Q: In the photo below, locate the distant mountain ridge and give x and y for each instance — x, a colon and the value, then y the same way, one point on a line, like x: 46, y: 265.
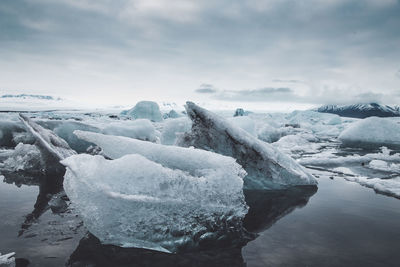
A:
x: 361, y: 110
x: 29, y: 96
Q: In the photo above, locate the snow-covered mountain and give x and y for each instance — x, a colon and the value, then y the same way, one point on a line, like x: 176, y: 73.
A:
x: 29, y: 96
x: 361, y: 110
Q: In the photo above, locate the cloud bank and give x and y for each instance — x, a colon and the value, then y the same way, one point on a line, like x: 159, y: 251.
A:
x: 127, y: 50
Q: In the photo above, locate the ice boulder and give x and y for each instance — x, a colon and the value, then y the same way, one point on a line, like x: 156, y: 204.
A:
x: 141, y: 129
x: 245, y: 123
x: 145, y: 110
x: 157, y: 197
x: 173, y: 128
x: 238, y: 112
x: 267, y: 167
x: 372, y: 132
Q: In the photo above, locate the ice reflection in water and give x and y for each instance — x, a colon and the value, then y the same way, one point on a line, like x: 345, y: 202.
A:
x: 266, y: 207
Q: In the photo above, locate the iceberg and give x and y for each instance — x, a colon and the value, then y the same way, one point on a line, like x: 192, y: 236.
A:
x: 141, y: 129
x: 267, y: 167
x: 372, y: 132
x: 329, y: 159
x: 172, y: 114
x: 390, y: 187
x: 145, y: 110
x: 238, y: 112
x: 169, y: 199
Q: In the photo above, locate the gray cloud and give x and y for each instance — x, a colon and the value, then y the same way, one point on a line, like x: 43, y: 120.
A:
x: 326, y: 96
x: 206, y: 89
x: 286, y: 81
x: 140, y: 48
x: 258, y: 95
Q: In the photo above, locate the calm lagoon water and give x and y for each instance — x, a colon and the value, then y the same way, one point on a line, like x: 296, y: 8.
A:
x: 342, y: 224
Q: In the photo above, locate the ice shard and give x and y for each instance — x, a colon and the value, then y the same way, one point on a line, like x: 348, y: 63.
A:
x: 267, y: 167
x: 173, y: 205
x: 48, y: 140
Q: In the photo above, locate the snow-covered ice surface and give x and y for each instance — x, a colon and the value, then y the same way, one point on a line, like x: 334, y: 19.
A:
x: 372, y: 132
x: 135, y: 202
x: 267, y: 167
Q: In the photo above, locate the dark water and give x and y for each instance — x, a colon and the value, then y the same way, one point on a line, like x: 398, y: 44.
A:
x: 342, y: 224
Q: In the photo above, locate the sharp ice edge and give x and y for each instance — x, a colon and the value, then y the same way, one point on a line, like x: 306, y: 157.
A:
x: 47, y: 139
x: 267, y: 167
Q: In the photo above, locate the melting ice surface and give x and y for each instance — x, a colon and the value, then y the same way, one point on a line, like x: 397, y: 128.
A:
x: 167, y: 198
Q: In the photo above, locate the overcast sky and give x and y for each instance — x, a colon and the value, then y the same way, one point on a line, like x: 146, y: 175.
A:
x: 256, y: 53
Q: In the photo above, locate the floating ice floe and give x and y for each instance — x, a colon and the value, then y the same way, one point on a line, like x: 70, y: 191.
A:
x: 153, y: 196
x: 267, y: 167
x: 330, y: 159
x: 372, y: 132
x: 322, y: 124
x: 381, y: 165
x: 293, y: 144
x: 7, y: 260
x: 145, y: 110
x: 385, y: 186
